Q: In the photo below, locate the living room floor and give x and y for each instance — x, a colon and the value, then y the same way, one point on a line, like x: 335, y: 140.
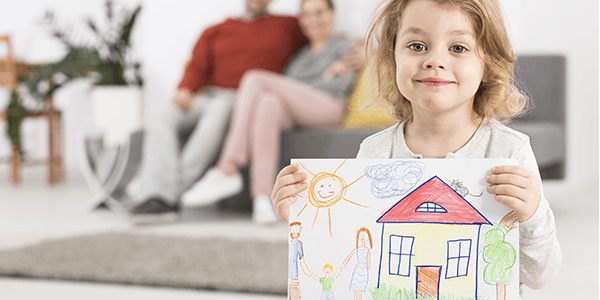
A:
x: 34, y: 212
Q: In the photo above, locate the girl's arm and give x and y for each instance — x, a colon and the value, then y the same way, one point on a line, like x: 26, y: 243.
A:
x: 287, y: 184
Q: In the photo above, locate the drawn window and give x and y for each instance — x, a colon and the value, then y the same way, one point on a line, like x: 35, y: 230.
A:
x: 430, y: 207
x: 400, y: 254
x: 459, y: 255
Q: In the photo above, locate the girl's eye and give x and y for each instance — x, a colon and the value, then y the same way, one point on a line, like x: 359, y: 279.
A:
x: 417, y: 47
x: 458, y: 49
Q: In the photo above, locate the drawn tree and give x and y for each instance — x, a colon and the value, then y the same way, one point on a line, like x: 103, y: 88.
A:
x: 500, y: 255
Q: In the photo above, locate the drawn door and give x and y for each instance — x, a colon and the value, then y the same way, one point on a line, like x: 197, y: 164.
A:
x: 428, y: 281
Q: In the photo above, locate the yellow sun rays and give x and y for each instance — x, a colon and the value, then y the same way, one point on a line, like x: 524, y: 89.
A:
x: 325, y: 190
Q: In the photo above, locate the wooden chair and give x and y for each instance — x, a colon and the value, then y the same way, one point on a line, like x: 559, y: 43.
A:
x: 9, y: 72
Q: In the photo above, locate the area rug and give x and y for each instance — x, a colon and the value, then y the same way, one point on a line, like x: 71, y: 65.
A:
x: 199, y: 263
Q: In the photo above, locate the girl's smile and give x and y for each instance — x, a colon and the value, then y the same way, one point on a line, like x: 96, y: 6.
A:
x: 437, y: 64
x: 434, y: 81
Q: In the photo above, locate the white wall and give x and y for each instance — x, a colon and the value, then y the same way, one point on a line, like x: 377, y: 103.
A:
x: 167, y: 31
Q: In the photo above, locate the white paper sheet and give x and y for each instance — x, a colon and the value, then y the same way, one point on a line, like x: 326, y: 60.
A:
x: 401, y: 229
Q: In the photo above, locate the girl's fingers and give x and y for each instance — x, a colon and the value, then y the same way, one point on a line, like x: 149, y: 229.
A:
x: 517, y: 188
x: 286, y: 177
x: 282, y: 208
x: 289, y: 179
x: 289, y: 169
x: 512, y: 202
x: 511, y: 169
x: 289, y: 190
x: 285, y: 181
x: 509, y: 190
x: 287, y: 184
x: 511, y: 179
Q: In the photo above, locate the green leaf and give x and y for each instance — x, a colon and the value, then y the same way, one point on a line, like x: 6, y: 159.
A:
x: 128, y: 26
x: 15, y: 112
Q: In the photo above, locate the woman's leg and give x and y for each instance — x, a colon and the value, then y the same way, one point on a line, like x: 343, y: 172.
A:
x: 236, y: 151
x: 268, y: 103
x: 284, y: 102
x: 225, y: 180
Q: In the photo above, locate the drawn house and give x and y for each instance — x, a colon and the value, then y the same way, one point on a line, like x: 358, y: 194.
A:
x: 430, y: 242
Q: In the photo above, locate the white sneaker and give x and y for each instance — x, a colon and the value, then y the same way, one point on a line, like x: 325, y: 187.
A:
x: 262, y: 211
x: 211, y: 188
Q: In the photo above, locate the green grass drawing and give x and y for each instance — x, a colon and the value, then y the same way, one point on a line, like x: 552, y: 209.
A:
x: 387, y: 292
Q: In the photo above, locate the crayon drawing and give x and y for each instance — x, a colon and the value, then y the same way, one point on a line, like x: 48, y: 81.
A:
x: 439, y: 225
x: 394, y: 179
x: 325, y: 190
x: 415, y: 231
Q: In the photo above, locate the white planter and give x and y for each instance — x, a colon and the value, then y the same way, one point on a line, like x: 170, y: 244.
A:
x: 116, y: 112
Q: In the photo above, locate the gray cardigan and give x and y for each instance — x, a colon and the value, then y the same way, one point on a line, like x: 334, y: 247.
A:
x: 540, y: 255
x: 309, y: 68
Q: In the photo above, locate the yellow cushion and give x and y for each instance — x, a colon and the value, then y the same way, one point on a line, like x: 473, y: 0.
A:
x: 360, y: 115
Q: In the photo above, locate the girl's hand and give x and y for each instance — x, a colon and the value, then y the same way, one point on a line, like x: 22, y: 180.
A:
x: 287, y: 184
x: 517, y: 188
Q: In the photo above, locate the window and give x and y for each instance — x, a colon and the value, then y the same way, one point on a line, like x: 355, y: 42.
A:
x: 459, y: 255
x: 400, y: 254
x: 430, y: 207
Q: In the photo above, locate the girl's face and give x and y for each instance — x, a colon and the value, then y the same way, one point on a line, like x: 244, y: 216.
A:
x: 437, y: 68
x: 316, y: 19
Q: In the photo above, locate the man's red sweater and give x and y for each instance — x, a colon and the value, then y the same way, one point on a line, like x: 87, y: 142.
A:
x: 227, y: 50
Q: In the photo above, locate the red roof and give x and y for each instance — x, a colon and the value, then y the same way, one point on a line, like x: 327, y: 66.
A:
x: 434, y: 190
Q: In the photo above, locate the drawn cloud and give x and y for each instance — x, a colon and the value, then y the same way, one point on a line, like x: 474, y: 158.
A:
x: 394, y: 179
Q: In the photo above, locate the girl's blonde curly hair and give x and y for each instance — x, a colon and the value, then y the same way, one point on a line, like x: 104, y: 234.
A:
x: 497, y: 97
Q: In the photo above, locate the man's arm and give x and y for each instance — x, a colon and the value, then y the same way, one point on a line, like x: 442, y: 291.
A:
x: 197, y: 71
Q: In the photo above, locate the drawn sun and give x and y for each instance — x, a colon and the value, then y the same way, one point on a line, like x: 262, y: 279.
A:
x: 326, y: 190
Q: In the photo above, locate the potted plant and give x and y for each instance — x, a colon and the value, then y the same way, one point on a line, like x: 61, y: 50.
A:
x: 104, y: 54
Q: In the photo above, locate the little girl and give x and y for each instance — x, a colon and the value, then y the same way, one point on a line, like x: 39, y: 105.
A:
x: 445, y: 67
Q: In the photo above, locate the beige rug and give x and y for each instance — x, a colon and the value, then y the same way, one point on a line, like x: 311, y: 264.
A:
x: 209, y: 263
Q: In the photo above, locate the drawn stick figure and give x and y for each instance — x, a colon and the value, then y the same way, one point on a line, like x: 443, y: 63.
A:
x: 296, y: 257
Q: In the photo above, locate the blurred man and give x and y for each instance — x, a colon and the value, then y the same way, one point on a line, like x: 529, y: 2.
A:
x: 223, y: 53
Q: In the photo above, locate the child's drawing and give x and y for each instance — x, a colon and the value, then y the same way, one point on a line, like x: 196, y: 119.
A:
x: 394, y: 179
x: 296, y: 257
x: 326, y: 190
x: 327, y: 281
x: 459, y: 187
x: 430, y: 243
x: 360, y: 273
x: 500, y: 255
x: 433, y: 229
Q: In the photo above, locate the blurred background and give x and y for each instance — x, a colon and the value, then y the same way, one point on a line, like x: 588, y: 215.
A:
x: 162, y: 40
